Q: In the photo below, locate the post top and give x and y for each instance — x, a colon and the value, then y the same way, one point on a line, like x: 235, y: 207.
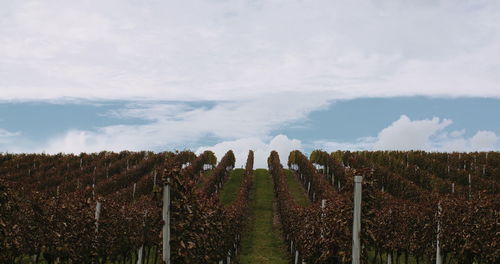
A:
x: 358, y: 179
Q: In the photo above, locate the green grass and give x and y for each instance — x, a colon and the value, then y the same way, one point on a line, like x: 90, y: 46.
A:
x: 232, y: 186
x: 296, y: 189
x: 262, y: 243
x: 411, y: 259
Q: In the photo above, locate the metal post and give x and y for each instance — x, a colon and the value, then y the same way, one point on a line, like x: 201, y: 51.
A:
x: 470, y: 187
x: 139, y: 255
x: 154, y: 179
x: 166, y: 226
x: 323, y: 205
x: 96, y: 235
x: 97, y: 215
x: 356, y: 224
x: 438, y: 248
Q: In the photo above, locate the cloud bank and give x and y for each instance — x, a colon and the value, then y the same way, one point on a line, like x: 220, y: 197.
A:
x: 238, y: 50
x: 426, y: 134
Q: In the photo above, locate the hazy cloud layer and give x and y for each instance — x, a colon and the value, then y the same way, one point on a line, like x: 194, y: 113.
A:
x: 6, y: 137
x: 243, y: 49
x: 5, y: 134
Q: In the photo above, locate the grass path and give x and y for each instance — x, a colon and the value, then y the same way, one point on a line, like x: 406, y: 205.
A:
x: 232, y: 186
x: 296, y: 189
x: 262, y: 242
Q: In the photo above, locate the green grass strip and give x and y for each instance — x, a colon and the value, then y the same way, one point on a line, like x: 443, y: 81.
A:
x: 232, y: 186
x: 296, y: 189
x: 411, y: 259
x: 262, y: 243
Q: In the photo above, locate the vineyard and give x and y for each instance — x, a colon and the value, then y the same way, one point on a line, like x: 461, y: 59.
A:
x: 174, y: 207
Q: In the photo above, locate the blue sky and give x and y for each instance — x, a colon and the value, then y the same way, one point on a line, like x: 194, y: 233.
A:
x: 249, y: 74
x: 347, y: 120
x: 343, y: 120
x: 342, y: 124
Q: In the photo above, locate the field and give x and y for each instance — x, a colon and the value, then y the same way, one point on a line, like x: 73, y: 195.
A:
x: 138, y: 207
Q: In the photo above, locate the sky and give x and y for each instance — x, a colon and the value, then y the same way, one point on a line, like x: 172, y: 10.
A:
x: 86, y: 76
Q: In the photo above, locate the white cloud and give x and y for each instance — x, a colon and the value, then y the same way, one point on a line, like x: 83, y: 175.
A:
x: 426, y: 134
x: 452, y: 144
x: 179, y: 125
x: 483, y: 140
x: 405, y: 134
x: 236, y: 50
x: 281, y: 143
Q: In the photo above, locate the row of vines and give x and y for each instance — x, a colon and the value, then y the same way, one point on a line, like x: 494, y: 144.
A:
x: 401, y: 210
x: 107, y: 207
